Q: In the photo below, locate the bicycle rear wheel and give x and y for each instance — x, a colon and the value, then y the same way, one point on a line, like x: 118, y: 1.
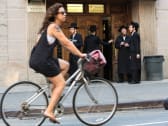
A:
x: 96, y: 103
x: 15, y: 110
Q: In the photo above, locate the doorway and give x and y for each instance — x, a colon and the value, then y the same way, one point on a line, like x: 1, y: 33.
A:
x: 107, y: 49
x: 83, y: 23
x: 108, y: 22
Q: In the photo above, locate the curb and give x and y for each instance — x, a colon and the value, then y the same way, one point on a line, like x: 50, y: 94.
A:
x: 141, y: 105
x: 127, y: 106
x: 130, y: 106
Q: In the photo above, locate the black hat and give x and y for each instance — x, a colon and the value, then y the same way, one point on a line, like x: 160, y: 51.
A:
x: 92, y: 28
x: 122, y: 27
x: 135, y: 24
x: 73, y: 25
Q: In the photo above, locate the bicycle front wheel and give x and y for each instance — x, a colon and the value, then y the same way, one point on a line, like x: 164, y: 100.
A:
x: 95, y: 104
x: 15, y: 109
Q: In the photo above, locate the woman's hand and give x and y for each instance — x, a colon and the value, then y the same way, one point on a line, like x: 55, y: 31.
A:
x: 83, y: 55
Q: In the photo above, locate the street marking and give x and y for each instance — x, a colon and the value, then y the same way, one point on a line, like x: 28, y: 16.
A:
x: 145, y: 124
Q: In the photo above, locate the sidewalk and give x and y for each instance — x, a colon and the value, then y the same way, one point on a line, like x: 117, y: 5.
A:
x: 147, y: 94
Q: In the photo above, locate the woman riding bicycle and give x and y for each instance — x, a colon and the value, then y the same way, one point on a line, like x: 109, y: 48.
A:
x: 41, y: 59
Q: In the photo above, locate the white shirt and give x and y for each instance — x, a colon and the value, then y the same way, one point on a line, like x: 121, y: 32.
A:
x: 50, y: 39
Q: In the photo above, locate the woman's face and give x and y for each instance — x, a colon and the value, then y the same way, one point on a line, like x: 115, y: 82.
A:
x: 61, y: 16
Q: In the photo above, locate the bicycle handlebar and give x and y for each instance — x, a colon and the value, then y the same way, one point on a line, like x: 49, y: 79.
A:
x: 81, y: 60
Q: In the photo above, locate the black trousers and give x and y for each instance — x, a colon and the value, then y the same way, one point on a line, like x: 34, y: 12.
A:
x: 73, y: 64
x: 135, y: 76
x: 121, y: 77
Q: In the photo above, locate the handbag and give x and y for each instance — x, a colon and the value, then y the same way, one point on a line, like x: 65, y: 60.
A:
x: 95, y: 62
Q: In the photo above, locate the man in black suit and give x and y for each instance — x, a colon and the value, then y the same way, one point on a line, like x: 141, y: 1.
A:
x: 135, y: 54
x: 92, y: 41
x: 76, y: 38
x: 122, y: 43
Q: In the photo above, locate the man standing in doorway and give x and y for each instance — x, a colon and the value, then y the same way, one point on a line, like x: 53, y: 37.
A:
x: 76, y: 38
x: 92, y: 41
x: 135, y: 54
x: 122, y: 44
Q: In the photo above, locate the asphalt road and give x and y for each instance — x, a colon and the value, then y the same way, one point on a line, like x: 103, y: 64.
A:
x: 150, y: 117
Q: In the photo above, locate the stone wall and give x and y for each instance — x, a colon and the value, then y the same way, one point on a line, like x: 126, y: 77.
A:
x: 162, y: 32
x: 143, y: 12
x: 13, y: 41
x: 34, y: 23
x: 153, y: 18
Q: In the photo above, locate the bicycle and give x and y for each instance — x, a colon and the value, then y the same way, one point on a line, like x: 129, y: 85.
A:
x: 26, y: 101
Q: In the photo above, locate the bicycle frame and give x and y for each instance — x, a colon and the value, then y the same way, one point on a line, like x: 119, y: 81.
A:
x: 78, y: 75
x: 36, y: 100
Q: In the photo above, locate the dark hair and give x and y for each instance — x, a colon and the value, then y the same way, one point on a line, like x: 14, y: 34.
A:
x: 122, y: 27
x: 135, y: 25
x: 93, y: 28
x: 52, y: 11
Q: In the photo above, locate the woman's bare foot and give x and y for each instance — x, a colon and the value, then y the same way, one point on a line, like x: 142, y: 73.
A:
x: 51, y: 117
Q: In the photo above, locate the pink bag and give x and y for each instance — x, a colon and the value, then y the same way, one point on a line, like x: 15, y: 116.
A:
x: 95, y: 63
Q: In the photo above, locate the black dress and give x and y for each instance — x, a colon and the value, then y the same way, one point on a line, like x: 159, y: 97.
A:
x: 135, y: 64
x: 123, y: 57
x: 77, y: 41
x: 41, y: 59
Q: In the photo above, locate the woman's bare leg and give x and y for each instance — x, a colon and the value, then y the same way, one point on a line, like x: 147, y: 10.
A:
x: 58, y: 87
x: 64, y: 65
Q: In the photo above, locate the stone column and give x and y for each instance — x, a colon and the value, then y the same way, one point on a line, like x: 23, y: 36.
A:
x: 13, y: 55
x: 162, y: 32
x: 3, y: 38
x: 143, y: 12
x: 36, y: 13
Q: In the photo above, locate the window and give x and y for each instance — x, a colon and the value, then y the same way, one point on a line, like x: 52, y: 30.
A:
x: 75, y: 8
x: 36, y: 6
x: 36, y: 1
x: 96, y: 8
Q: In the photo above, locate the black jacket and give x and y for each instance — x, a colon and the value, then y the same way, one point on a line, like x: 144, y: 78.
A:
x: 134, y: 50
x: 123, y: 54
x: 77, y: 40
x: 135, y: 43
x: 92, y: 42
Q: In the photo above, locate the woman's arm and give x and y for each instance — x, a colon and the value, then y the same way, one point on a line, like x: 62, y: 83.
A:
x: 64, y: 41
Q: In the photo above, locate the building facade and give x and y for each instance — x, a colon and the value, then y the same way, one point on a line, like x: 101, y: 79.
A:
x: 20, y: 21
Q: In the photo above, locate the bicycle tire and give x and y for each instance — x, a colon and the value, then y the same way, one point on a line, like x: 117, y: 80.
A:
x: 11, y: 114
x: 84, y: 112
